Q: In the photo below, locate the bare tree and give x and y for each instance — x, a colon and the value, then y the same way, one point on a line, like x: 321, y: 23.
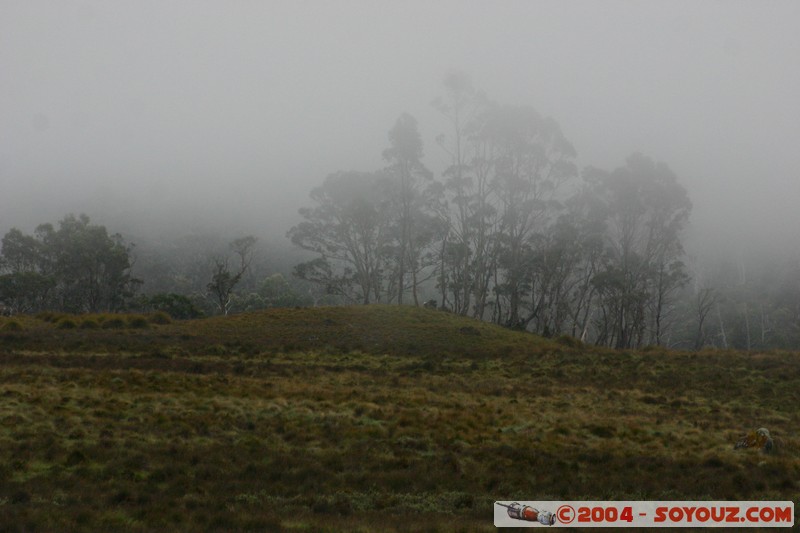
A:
x: 223, y: 279
x: 705, y: 301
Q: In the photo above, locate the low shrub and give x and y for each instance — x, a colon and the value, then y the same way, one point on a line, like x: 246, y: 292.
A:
x: 89, y: 323
x: 569, y: 341
x: 217, y: 349
x: 176, y: 306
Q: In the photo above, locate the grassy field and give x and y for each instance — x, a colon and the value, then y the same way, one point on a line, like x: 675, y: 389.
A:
x: 365, y: 419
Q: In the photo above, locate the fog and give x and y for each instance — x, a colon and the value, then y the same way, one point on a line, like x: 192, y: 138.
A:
x: 159, y: 117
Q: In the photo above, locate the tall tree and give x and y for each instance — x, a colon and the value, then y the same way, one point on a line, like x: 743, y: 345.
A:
x: 531, y: 160
x: 78, y: 267
x: 24, y: 282
x: 408, y: 179
x: 645, y: 211
x: 466, y: 249
x: 349, y: 232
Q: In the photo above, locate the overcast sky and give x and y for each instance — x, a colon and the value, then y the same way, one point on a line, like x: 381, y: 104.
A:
x: 232, y: 111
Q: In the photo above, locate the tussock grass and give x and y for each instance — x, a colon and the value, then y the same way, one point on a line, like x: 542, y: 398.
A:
x: 138, y: 322
x: 159, y: 317
x: 89, y: 323
x: 364, y: 419
x: 11, y: 325
x: 66, y: 323
x: 113, y: 322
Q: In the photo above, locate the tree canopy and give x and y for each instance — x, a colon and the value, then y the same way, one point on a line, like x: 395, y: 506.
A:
x: 510, y: 234
x: 77, y: 267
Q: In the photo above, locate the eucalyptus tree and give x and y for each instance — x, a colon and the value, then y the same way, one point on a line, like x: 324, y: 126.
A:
x: 25, y: 282
x: 530, y: 162
x: 469, y: 217
x: 349, y: 233
x: 77, y: 267
x: 409, y: 185
x: 645, y: 210
x: 504, y: 186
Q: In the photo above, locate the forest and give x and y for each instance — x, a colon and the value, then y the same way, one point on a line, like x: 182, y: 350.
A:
x: 510, y: 232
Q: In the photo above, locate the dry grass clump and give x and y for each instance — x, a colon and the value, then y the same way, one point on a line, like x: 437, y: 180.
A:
x: 11, y: 325
x: 160, y: 318
x: 66, y: 323
x: 138, y: 322
x: 112, y: 322
x: 89, y: 323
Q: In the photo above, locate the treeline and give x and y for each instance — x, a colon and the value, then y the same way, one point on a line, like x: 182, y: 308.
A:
x: 510, y: 232
x: 78, y: 267
x: 747, y: 301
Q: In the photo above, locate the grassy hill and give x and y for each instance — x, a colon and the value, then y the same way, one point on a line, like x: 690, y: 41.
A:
x: 375, y: 329
x: 365, y: 418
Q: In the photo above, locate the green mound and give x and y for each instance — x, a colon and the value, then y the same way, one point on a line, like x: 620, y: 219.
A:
x: 377, y: 329
x: 373, y: 329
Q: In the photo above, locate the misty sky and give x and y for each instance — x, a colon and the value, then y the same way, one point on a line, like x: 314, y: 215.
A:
x: 229, y: 112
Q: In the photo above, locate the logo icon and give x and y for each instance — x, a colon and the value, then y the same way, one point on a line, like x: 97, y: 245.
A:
x: 529, y: 514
